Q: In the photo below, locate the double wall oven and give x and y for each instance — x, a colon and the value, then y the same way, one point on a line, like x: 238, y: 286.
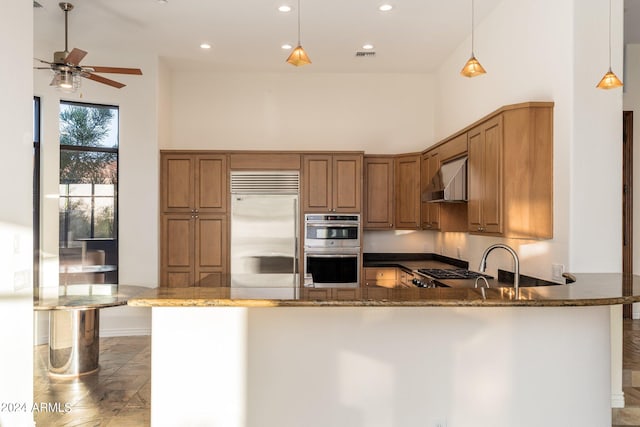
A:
x: 332, y: 250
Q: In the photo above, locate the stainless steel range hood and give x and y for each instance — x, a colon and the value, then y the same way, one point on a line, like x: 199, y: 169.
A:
x: 449, y: 184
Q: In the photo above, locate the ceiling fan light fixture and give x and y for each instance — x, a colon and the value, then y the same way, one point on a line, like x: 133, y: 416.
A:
x: 66, y: 81
x: 298, y: 57
x: 472, y: 68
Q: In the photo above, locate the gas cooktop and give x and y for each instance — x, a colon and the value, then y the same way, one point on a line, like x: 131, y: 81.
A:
x: 451, y: 273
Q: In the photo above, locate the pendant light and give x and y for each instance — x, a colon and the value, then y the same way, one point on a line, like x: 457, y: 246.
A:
x: 610, y: 80
x: 298, y: 57
x: 473, y: 67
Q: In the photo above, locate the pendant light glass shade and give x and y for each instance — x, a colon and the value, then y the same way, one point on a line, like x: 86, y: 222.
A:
x: 473, y: 67
x: 609, y: 80
x: 298, y: 57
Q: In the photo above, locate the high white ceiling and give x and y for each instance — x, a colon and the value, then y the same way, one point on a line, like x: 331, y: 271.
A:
x: 246, y: 35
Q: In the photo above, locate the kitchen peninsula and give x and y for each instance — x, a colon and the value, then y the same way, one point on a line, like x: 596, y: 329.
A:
x: 417, y: 357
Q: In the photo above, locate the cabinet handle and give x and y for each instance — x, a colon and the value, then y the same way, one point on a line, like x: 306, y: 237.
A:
x: 196, y: 210
x: 196, y: 216
x: 390, y: 225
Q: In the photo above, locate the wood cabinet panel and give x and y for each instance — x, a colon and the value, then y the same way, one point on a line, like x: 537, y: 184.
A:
x: 178, y: 235
x: 211, y: 242
x: 379, y: 207
x: 492, y: 188
x: 385, y: 277
x: 407, y: 192
x: 178, y: 185
x: 332, y: 183
x: 264, y: 161
x: 347, y: 177
x: 212, y: 184
x: 317, y: 183
x: 430, y: 212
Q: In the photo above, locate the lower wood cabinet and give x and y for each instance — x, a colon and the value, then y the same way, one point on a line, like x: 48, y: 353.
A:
x: 386, y: 277
x: 194, y: 250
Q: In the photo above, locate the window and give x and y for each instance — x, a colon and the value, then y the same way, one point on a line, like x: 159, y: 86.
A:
x: 88, y: 193
x: 36, y: 195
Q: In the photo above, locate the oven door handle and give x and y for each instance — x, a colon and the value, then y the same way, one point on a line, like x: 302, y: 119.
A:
x: 333, y: 225
x: 311, y: 255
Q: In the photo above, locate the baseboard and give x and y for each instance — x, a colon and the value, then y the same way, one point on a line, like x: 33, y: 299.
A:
x: 617, y: 400
x: 129, y: 332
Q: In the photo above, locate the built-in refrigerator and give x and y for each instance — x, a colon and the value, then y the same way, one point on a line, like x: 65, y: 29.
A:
x: 264, y: 231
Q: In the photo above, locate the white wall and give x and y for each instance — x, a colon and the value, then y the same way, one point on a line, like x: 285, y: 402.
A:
x: 547, y: 61
x: 138, y: 178
x: 377, y: 113
x: 16, y: 231
x: 381, y: 366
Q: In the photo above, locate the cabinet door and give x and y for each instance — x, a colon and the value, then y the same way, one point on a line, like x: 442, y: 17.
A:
x: 492, y: 196
x: 430, y: 212
x: 475, y: 178
x: 211, y: 183
x: 317, y: 183
x: 347, y: 183
x: 407, y: 184
x: 210, y: 249
x: 177, y: 250
x: 485, y: 177
x: 177, y: 181
x: 379, y: 206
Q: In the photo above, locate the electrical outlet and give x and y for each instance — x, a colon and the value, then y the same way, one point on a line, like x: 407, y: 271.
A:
x: 458, y: 252
x: 556, y: 271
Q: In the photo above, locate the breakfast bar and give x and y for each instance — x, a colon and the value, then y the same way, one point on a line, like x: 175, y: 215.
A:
x: 428, y: 357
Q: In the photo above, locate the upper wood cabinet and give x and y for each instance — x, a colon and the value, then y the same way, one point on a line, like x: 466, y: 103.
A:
x: 429, y: 165
x: 379, y: 203
x: 442, y: 216
x: 407, y: 191
x: 193, y: 182
x: 511, y: 172
x: 332, y: 183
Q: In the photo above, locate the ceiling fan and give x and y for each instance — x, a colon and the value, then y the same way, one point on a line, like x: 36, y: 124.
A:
x: 67, y: 68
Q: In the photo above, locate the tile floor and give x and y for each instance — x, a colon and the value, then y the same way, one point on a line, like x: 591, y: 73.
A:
x: 119, y: 394
x: 629, y: 416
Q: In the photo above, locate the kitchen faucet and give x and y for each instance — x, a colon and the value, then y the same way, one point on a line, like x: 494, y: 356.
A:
x: 516, y: 263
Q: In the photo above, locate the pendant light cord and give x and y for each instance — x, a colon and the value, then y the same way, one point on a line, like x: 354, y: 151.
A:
x: 299, y: 23
x: 472, y: 26
x: 609, y: 34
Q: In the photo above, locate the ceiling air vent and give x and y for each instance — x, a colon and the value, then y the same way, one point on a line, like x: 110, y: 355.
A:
x: 36, y: 4
x: 363, y: 54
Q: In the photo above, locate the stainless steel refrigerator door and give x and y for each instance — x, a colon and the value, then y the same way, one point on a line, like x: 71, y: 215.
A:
x: 264, y: 240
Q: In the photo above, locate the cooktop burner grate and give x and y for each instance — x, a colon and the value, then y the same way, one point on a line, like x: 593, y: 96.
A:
x: 451, y: 273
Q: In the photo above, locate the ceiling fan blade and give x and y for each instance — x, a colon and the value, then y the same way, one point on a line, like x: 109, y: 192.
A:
x: 104, y: 80
x: 116, y: 70
x: 41, y: 68
x: 75, y: 56
x: 43, y: 61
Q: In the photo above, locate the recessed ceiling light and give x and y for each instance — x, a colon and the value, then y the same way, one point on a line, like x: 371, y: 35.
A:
x: 286, y: 46
x: 205, y: 46
x: 367, y: 46
x: 385, y: 7
x: 284, y: 8
x: 163, y: 1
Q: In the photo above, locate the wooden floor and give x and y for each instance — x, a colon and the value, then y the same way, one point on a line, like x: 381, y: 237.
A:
x: 119, y: 394
x: 630, y: 414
